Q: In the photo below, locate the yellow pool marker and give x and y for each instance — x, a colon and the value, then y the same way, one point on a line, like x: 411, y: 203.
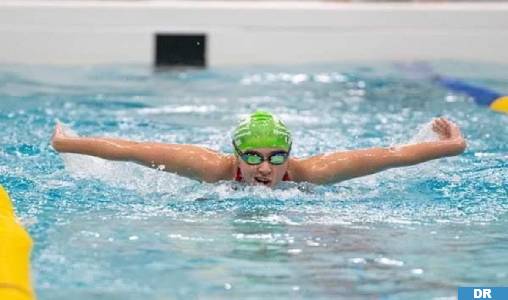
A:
x: 15, y: 248
x: 500, y: 104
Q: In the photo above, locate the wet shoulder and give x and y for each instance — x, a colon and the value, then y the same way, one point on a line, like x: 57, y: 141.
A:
x: 295, y: 169
x: 230, y: 167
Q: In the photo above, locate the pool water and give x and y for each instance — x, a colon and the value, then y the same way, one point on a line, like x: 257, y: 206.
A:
x: 115, y: 230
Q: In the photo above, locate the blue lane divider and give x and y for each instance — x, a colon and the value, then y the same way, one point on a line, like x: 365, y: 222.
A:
x: 481, y: 95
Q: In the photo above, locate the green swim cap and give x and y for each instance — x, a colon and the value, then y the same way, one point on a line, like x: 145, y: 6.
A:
x: 262, y: 130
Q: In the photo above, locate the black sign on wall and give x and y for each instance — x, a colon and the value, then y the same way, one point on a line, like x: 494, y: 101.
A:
x: 180, y: 50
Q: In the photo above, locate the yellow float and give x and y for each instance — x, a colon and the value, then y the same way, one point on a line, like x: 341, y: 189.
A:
x: 15, y: 248
x: 500, y: 104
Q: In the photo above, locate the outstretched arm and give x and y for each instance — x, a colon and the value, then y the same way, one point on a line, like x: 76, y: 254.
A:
x: 339, y: 166
x: 185, y: 160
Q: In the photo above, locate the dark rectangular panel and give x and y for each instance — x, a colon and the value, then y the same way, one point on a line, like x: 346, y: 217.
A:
x: 180, y: 50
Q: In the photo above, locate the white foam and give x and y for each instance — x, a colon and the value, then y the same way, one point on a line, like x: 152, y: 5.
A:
x: 424, y: 134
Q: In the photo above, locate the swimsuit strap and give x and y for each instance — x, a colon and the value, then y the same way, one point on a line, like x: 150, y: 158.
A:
x: 239, y: 176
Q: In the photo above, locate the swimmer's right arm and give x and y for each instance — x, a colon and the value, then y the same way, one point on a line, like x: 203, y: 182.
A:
x: 343, y: 165
x: 185, y: 160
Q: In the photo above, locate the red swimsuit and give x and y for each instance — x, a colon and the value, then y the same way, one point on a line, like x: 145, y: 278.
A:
x: 239, y: 176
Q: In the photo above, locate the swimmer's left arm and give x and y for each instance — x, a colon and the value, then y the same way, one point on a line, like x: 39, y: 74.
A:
x: 190, y: 161
x: 339, y: 166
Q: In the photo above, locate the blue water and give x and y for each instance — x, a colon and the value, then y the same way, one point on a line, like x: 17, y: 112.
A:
x: 113, y: 230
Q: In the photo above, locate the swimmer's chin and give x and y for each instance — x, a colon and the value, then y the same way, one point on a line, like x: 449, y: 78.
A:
x: 262, y: 182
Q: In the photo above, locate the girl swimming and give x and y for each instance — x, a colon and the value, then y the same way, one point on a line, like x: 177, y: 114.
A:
x: 262, y: 147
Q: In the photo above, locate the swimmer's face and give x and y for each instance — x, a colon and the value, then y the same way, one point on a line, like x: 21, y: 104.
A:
x: 265, y: 173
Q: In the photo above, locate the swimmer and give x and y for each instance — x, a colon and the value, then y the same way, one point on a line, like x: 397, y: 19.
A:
x: 262, y: 147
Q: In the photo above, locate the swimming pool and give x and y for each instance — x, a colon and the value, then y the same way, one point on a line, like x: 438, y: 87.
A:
x: 109, y: 230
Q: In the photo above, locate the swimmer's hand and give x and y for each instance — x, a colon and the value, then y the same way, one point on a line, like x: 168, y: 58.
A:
x: 62, y: 136
x: 58, y: 137
x: 449, y: 132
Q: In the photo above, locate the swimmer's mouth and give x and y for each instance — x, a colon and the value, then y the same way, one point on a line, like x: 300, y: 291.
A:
x: 263, y: 181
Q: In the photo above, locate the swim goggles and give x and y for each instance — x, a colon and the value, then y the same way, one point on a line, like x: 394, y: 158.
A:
x: 255, y: 158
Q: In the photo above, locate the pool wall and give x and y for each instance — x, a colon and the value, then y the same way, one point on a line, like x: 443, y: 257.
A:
x: 251, y: 33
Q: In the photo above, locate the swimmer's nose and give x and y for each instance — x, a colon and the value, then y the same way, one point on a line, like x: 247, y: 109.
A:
x: 265, y: 168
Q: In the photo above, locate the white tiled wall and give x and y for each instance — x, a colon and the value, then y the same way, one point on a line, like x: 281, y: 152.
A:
x: 247, y: 33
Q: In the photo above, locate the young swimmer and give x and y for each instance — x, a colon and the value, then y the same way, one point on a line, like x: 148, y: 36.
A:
x: 262, y: 145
